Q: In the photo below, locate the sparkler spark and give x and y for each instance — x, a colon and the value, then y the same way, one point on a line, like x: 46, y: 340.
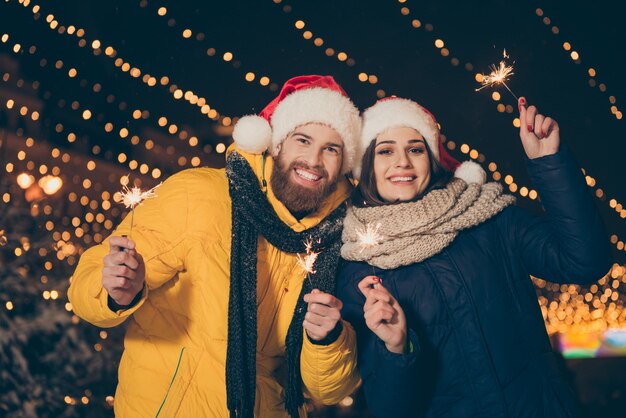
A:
x: 369, y: 237
x: 498, y: 75
x: 307, y: 262
x: 133, y: 197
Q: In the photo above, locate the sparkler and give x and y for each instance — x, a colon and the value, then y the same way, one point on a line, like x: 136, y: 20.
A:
x: 307, y: 262
x: 133, y: 197
x: 369, y: 238
x: 498, y: 75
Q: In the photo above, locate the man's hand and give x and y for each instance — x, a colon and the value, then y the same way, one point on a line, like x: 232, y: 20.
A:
x: 323, y: 313
x: 124, y: 272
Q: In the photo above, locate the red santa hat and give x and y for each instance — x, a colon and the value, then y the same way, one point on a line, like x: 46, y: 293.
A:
x: 395, y: 112
x: 303, y: 99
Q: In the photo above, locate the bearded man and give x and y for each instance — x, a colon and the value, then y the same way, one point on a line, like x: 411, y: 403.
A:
x: 223, y: 320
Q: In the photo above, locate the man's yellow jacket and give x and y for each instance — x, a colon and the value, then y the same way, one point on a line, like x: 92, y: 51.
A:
x: 174, y: 357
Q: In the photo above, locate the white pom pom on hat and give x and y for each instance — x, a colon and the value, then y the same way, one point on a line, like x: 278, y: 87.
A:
x: 252, y: 134
x: 471, y: 172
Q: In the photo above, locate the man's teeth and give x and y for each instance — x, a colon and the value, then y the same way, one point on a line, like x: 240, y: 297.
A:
x: 397, y: 179
x: 307, y: 175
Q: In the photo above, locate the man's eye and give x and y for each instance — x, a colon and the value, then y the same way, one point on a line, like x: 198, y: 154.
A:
x: 333, y: 150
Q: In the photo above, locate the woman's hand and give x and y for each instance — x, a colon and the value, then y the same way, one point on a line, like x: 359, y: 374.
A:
x: 539, y: 133
x: 383, y: 314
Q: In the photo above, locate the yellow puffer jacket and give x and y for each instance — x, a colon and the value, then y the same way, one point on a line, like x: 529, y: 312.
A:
x: 174, y: 360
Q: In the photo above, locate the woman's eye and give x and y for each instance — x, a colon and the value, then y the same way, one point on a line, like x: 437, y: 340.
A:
x: 384, y: 152
x: 417, y: 150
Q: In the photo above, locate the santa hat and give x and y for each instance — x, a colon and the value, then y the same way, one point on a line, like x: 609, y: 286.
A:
x: 303, y: 99
x: 395, y: 112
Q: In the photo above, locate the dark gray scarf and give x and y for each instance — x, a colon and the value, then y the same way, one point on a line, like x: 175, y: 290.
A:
x: 252, y: 214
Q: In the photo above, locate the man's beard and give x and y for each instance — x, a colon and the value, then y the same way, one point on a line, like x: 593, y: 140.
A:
x: 300, y: 200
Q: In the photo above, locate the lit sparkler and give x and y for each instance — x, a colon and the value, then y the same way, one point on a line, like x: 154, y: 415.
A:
x: 133, y: 197
x: 307, y: 262
x: 498, y: 75
x: 369, y: 238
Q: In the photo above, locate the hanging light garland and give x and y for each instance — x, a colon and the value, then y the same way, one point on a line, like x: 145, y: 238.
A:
x: 340, y: 55
x: 200, y: 38
x: 577, y: 59
x: 134, y: 71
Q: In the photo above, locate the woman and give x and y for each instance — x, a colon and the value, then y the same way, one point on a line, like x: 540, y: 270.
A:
x: 436, y: 280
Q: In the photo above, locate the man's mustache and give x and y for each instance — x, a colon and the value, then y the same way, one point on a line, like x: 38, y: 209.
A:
x: 321, y: 172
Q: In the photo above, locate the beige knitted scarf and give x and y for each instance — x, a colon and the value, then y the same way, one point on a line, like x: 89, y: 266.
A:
x: 397, y: 235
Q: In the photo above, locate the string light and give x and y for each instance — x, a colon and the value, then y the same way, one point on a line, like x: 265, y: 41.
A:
x: 340, y: 55
x: 124, y: 66
x: 596, y: 308
x: 87, y: 114
x: 619, y: 244
x: 100, y: 219
x: 108, y: 129
x: 576, y: 59
x: 144, y: 168
x: 228, y: 56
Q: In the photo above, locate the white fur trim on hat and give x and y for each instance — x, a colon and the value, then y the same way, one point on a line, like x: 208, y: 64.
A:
x: 471, y: 172
x: 319, y: 105
x: 252, y: 134
x: 396, y: 113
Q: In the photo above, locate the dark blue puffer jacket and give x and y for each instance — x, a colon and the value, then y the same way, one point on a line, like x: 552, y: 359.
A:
x: 481, y: 348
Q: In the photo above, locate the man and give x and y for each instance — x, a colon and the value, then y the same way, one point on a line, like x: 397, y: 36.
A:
x: 222, y: 317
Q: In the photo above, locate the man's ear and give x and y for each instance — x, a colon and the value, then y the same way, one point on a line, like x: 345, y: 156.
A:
x: 277, y: 149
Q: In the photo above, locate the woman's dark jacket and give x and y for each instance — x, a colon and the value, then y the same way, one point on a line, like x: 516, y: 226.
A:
x: 480, y: 343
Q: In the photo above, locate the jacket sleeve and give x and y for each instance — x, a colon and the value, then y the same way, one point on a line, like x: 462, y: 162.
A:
x: 159, y: 230
x: 569, y: 244
x: 390, y: 381
x: 329, y: 372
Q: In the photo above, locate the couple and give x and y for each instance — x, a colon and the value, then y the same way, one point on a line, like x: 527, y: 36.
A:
x: 438, y: 318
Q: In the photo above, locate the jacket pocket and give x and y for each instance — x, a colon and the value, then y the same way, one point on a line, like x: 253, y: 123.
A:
x: 182, y: 376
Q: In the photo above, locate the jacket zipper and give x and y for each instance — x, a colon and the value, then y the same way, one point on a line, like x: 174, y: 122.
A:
x: 172, y: 382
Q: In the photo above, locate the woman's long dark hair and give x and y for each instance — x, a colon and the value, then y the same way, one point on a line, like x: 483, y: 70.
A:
x: 367, y: 195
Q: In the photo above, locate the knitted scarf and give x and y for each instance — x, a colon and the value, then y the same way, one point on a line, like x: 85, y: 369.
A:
x: 252, y: 214
x: 414, y: 231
